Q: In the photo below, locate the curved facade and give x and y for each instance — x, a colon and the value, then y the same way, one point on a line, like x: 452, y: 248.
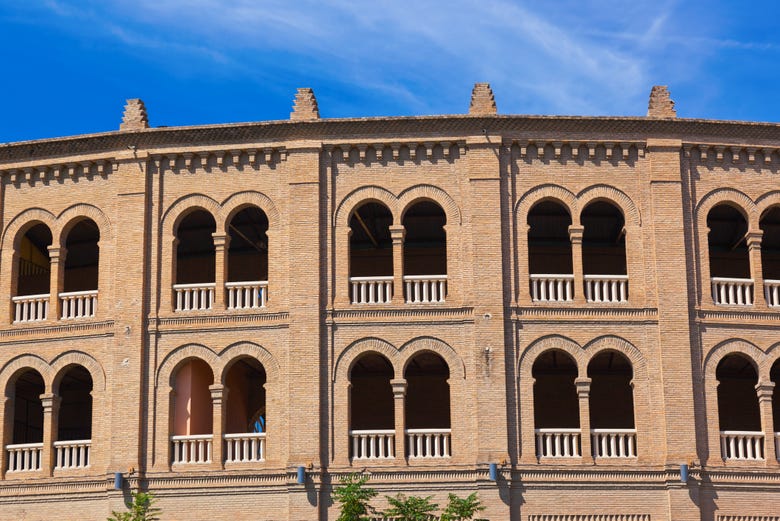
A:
x: 587, y: 306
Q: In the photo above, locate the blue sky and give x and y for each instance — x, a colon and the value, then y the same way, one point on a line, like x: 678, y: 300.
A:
x: 68, y: 66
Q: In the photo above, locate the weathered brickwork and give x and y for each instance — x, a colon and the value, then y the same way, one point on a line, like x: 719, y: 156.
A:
x: 598, y: 340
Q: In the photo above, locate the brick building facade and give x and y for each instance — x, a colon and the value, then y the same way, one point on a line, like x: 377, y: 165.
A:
x: 560, y: 313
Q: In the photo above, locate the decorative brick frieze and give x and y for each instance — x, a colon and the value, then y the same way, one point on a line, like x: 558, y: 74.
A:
x: 737, y: 155
x: 42, y: 174
x: 579, y: 151
x: 394, y: 152
x: 210, y: 160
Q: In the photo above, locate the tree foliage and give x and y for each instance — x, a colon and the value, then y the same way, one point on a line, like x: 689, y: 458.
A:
x: 412, y: 508
x: 141, y: 509
x: 353, y: 497
x: 460, y: 509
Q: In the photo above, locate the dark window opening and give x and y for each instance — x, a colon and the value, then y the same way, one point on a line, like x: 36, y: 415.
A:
x: 195, y: 253
x: 81, y: 260
x: 75, y: 415
x: 603, y: 240
x: 737, y: 398
x: 611, y: 395
x: 425, y: 242
x: 427, y: 392
x: 28, y: 409
x: 246, y: 398
x: 555, y: 397
x: 549, y: 246
x: 727, y: 246
x: 34, y: 265
x: 770, y: 244
x: 370, y: 245
x: 248, y: 250
x: 371, y: 396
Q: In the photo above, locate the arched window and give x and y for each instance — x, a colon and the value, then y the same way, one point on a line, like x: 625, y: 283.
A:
x: 33, y: 276
x: 425, y: 253
x: 604, y: 253
x: 774, y: 375
x: 192, y: 416
x: 372, y: 408
x: 371, y: 254
x: 80, y: 282
x: 427, y: 407
x: 24, y: 452
x: 770, y: 255
x: 556, y: 408
x: 247, y: 274
x: 729, y: 260
x: 74, y: 425
x: 246, y: 416
x: 549, y: 253
x: 613, y: 432
x: 195, y: 262
x: 738, y: 412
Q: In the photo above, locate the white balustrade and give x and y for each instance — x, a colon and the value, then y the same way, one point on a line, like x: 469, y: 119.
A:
x: 31, y: 308
x: 742, y: 445
x: 373, y: 444
x: 558, y: 443
x: 423, y: 289
x: 613, y: 443
x: 428, y: 443
x: 606, y: 288
x: 72, y: 454
x: 772, y: 292
x: 732, y: 292
x: 24, y: 457
x: 552, y: 288
x: 78, y: 304
x: 245, y: 447
x: 194, y: 297
x: 371, y: 290
x: 247, y: 295
x: 191, y: 449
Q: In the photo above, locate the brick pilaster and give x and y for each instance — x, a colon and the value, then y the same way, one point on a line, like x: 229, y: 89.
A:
x: 397, y: 234
x: 51, y: 407
x: 221, y: 246
x: 583, y: 398
x: 399, y: 396
x: 219, y: 394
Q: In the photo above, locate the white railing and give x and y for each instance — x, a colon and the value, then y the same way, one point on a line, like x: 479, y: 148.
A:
x: 371, y: 290
x: 72, y: 454
x: 558, y: 443
x: 428, y: 443
x: 78, y: 304
x: 31, y: 308
x: 606, y: 288
x: 742, y: 445
x: 191, y: 449
x: 247, y: 295
x: 373, y: 444
x: 613, y: 443
x: 733, y: 292
x: 245, y: 447
x: 772, y: 292
x: 193, y: 297
x: 423, y: 289
x: 552, y: 288
x: 24, y: 457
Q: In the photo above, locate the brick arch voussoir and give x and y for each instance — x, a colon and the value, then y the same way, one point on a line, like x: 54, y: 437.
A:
x: 179, y: 209
x: 417, y: 193
x: 434, y: 345
x: 235, y: 352
x: 730, y: 196
x: 772, y: 357
x: 71, y: 216
x: 18, y: 364
x: 237, y: 202
x: 363, y: 195
x: 542, y: 193
x: 177, y: 356
x: 729, y: 347
x: 63, y: 362
x: 360, y: 347
x: 613, y: 195
x: 548, y: 343
x: 620, y: 345
x: 25, y: 219
x: 767, y: 201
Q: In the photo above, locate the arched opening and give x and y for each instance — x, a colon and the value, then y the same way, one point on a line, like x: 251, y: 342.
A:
x: 74, y: 426
x: 427, y: 407
x: 245, y: 410
x: 774, y: 375
x: 556, y: 407
x: 604, y: 253
x: 729, y: 260
x: 247, y: 276
x: 33, y: 275
x: 80, y: 282
x: 770, y: 255
x: 738, y: 413
x: 24, y: 452
x: 192, y: 415
x: 372, y: 408
x: 612, y: 406
x: 549, y: 253
x: 425, y: 253
x: 195, y: 262
x: 371, y: 254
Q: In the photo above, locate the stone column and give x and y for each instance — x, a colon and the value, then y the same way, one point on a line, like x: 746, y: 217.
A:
x: 221, y: 245
x: 575, y: 236
x: 51, y: 408
x: 56, y: 280
x: 399, y: 395
x: 753, y: 240
x: 219, y: 394
x: 765, y: 392
x: 583, y: 396
x: 397, y: 234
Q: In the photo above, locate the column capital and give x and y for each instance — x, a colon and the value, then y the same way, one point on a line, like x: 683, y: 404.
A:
x: 397, y: 232
x: 49, y: 401
x: 576, y: 233
x: 221, y: 240
x: 583, y: 387
x: 218, y: 392
x: 399, y: 387
x: 57, y: 253
x: 753, y: 239
x: 765, y: 390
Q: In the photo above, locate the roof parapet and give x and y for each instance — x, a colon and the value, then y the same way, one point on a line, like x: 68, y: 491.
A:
x: 305, y: 107
x: 660, y: 104
x: 135, y: 117
x: 483, y: 103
